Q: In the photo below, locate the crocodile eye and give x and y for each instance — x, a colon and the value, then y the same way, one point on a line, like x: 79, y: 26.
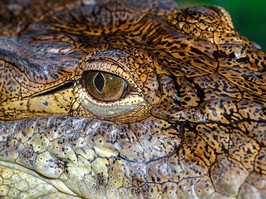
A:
x: 104, y: 86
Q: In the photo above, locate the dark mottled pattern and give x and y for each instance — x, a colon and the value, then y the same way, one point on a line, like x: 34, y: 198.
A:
x: 191, y: 123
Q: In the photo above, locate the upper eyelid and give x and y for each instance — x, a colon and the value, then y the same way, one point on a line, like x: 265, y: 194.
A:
x: 114, y: 62
x: 109, y: 66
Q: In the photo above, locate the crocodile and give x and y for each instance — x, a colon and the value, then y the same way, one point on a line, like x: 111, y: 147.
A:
x: 129, y: 99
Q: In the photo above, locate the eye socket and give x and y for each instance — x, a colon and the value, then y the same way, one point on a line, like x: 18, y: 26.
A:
x: 105, y: 86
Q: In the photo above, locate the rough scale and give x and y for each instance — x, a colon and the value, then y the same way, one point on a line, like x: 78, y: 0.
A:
x: 129, y: 99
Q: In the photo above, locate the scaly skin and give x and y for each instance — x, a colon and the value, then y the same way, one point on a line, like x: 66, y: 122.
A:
x: 189, y: 124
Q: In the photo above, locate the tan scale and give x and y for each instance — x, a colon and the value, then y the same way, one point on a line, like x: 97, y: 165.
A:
x: 129, y: 99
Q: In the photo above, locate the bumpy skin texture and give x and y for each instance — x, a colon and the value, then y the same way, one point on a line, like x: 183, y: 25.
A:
x: 192, y: 124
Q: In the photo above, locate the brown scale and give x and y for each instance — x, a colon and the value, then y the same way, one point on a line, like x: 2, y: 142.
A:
x: 122, y: 99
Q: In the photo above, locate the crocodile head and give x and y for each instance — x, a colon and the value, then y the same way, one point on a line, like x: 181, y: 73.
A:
x: 120, y: 99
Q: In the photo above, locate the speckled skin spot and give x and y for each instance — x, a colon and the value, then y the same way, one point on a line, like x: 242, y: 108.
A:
x: 192, y: 123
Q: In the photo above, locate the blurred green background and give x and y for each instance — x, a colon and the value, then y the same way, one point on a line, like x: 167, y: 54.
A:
x: 249, y: 16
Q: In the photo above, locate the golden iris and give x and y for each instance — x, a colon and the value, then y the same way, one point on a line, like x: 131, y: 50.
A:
x: 105, y: 86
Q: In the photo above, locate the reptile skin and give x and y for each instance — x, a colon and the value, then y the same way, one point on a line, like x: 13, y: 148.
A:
x: 129, y: 99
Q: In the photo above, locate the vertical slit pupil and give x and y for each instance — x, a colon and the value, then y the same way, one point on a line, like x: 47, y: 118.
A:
x: 99, y: 82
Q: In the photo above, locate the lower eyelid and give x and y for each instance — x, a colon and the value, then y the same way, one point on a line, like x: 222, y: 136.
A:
x: 110, y: 111
x: 115, y: 108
